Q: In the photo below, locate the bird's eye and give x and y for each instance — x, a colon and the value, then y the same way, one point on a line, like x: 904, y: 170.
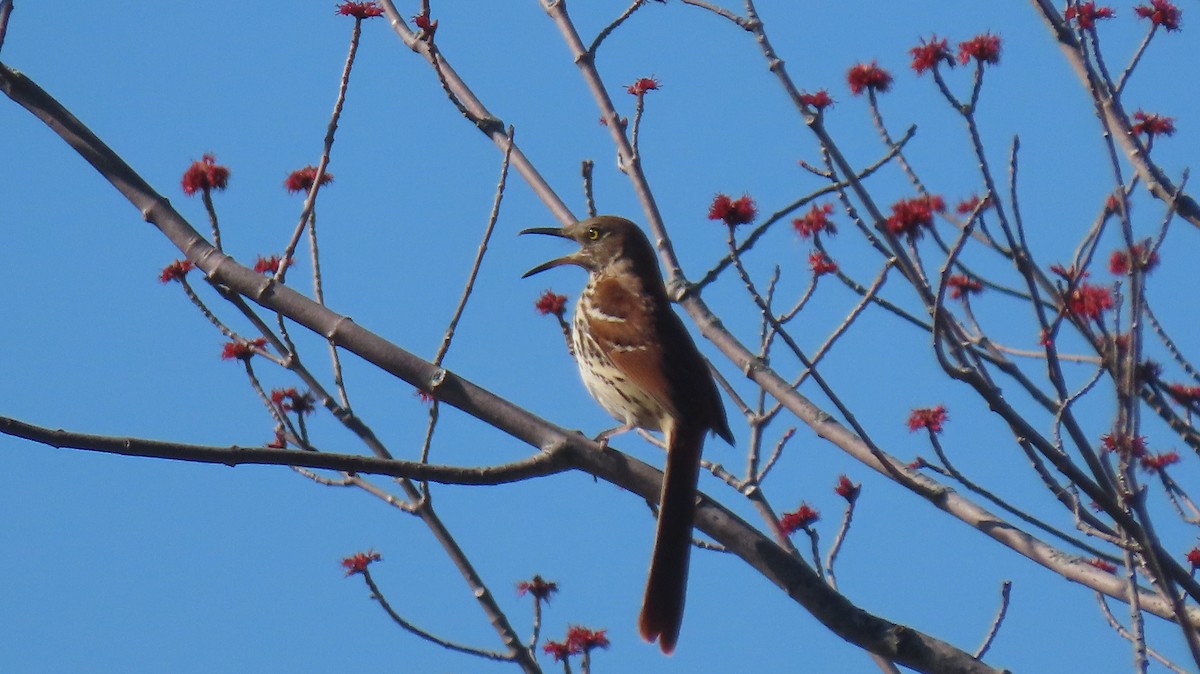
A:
x: 593, y: 233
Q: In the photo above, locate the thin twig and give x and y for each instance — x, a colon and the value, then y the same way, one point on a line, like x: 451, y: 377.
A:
x: 585, y: 170
x: 1005, y: 589
x: 838, y: 540
x: 637, y: 4
x: 413, y: 629
x: 1120, y: 629
x: 310, y: 200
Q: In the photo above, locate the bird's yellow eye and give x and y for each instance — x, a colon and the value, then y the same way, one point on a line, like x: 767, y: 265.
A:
x: 593, y: 233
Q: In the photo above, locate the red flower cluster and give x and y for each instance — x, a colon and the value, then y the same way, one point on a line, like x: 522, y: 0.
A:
x: 360, y: 10
x: 268, y: 265
x: 539, y: 587
x: 291, y: 400
x: 1085, y: 14
x: 910, y: 215
x: 968, y: 205
x: 983, y: 48
x: 1161, y: 13
x: 1124, y: 445
x: 204, y: 176
x: 927, y: 55
x: 821, y: 264
x: 930, y: 418
x: 819, y: 99
x: 847, y: 489
x: 551, y: 304
x: 1153, y: 124
x: 803, y: 517
x: 175, y: 271
x: 359, y: 561
x: 427, y: 26
x: 241, y: 349
x: 1153, y: 463
x: 1088, y: 300
x: 301, y: 180
x: 1103, y: 565
x: 1183, y: 394
x: 815, y: 221
x: 1193, y: 557
x: 640, y: 87
x: 962, y: 285
x: 424, y: 396
x: 579, y: 639
x: 1122, y: 261
x: 732, y: 211
x: 862, y: 77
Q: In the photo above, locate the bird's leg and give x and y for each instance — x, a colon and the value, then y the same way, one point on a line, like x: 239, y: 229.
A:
x: 605, y: 435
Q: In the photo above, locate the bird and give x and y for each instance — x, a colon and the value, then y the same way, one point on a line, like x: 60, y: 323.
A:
x: 639, y: 363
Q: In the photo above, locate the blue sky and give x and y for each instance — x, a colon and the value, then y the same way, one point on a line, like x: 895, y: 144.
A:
x: 119, y: 564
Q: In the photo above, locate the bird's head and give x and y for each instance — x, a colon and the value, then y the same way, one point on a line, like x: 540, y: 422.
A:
x: 603, y: 241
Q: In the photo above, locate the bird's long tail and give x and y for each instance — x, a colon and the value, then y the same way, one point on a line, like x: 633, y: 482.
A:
x: 666, y: 588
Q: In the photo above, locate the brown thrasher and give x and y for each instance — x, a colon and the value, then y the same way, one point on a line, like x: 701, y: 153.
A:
x: 638, y: 361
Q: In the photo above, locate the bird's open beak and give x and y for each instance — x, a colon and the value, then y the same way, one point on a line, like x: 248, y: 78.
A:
x: 550, y: 231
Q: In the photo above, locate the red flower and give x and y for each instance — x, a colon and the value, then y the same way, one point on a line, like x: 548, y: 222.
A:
x: 815, y: 221
x: 910, y: 215
x: 1090, y: 301
x: 863, y: 76
x: 1153, y: 463
x: 1085, y: 14
x: 983, y: 48
x: 1103, y: 565
x: 1184, y: 395
x: 802, y: 518
x: 175, y: 271
x: 1121, y: 261
x: 360, y: 10
x: 819, y: 99
x: 359, y: 561
x: 291, y: 400
x: 424, y: 396
x: 968, y: 205
x: 579, y: 639
x: 641, y: 86
x: 583, y: 639
x: 559, y: 650
x: 930, y: 418
x: 1193, y: 558
x: 962, y: 285
x: 204, y: 175
x: 301, y: 180
x: 551, y: 304
x: 847, y: 489
x: 427, y: 27
x: 268, y: 265
x: 1161, y: 13
x: 540, y: 588
x: 242, y: 349
x: 821, y: 264
x: 1124, y: 445
x: 927, y: 55
x: 732, y: 211
x: 1153, y: 124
